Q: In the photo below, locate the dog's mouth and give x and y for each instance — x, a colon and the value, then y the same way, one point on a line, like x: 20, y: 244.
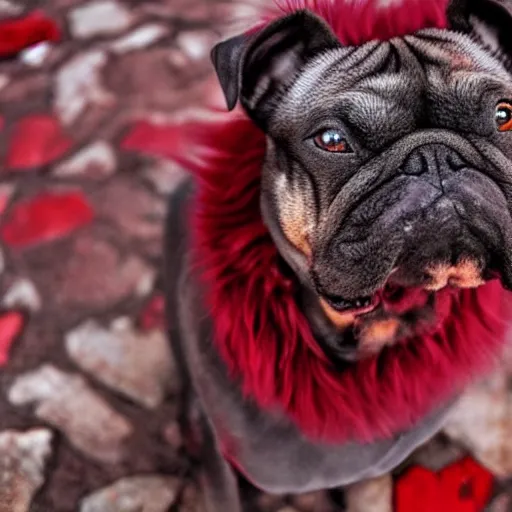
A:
x: 391, y: 299
x: 355, y: 307
x: 401, y: 308
x: 399, y: 295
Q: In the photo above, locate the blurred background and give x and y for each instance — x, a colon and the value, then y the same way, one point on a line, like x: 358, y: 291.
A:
x: 92, y: 94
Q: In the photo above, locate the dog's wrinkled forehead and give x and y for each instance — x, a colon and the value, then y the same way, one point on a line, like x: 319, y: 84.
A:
x: 298, y: 59
x: 380, y: 87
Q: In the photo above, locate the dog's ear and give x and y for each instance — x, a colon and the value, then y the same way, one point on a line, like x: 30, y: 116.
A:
x: 257, y: 68
x: 489, y: 20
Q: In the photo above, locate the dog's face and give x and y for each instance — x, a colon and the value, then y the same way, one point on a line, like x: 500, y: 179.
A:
x: 389, y: 165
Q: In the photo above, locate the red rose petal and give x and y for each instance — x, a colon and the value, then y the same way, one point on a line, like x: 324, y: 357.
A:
x: 44, y: 218
x: 11, y: 324
x: 152, y: 315
x: 418, y: 490
x: 20, y: 33
x: 464, y: 486
x: 156, y: 139
x: 36, y: 141
x: 468, y: 472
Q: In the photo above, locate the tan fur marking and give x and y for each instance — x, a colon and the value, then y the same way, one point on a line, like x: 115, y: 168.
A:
x: 294, y: 216
x: 340, y: 320
x: 466, y: 274
x: 379, y: 333
x: 295, y: 231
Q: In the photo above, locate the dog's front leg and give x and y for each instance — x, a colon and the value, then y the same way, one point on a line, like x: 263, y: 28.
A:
x: 219, y: 485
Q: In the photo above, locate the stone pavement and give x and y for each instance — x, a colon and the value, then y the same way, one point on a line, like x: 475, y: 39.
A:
x: 86, y: 378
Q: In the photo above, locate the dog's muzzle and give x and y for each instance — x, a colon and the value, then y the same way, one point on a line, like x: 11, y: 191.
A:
x: 439, y: 222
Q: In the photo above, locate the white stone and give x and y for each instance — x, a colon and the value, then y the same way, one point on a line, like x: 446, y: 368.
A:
x: 98, y: 18
x: 375, y: 495
x: 196, y: 45
x: 164, y: 175
x: 22, y: 294
x: 35, y: 56
x: 121, y: 324
x: 23, y: 456
x: 137, y: 364
x: 78, y: 84
x: 4, y: 80
x: 10, y: 8
x: 65, y: 401
x: 148, y: 493
x: 312, y: 501
x: 482, y: 423
x: 146, y: 284
x: 139, y: 38
x: 98, y: 159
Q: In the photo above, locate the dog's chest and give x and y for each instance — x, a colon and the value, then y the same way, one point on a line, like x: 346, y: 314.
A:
x: 271, y: 451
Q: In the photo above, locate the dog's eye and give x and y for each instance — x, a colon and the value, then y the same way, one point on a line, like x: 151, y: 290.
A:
x: 504, y: 117
x: 332, y: 141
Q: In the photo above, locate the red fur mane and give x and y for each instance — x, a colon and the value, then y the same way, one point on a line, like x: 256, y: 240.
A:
x: 358, y: 21
x: 259, y: 330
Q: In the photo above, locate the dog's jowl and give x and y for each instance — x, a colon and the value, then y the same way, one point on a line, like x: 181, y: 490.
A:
x: 339, y: 261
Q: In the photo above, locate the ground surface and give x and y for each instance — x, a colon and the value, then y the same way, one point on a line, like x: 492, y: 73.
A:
x: 86, y: 378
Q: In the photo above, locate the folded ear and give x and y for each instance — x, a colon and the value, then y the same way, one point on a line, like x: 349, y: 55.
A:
x: 488, y: 20
x: 258, y: 68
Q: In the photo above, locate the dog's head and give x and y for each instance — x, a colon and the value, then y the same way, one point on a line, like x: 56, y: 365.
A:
x: 389, y: 164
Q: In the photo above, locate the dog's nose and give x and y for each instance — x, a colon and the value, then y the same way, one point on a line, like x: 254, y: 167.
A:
x: 434, y: 159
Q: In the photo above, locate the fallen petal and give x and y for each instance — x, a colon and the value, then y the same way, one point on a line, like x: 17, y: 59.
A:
x: 36, y: 141
x: 46, y: 217
x: 11, y: 324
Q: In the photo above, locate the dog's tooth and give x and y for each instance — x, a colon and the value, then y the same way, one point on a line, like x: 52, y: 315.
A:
x: 343, y: 305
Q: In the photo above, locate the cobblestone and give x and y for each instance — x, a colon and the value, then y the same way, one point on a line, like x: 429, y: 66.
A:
x: 134, y: 494
x: 66, y: 401
x: 8, y: 9
x: 78, y: 85
x: 374, y: 495
x: 138, y: 365
x: 23, y: 457
x: 36, y: 55
x: 99, y: 18
x: 98, y: 275
x: 482, y: 422
x: 22, y: 294
x: 140, y: 38
x: 97, y: 160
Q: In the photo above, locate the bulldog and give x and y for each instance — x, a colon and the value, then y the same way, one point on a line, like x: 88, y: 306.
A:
x: 337, y: 270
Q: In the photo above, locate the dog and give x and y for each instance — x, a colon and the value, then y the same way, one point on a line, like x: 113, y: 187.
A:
x: 338, y: 268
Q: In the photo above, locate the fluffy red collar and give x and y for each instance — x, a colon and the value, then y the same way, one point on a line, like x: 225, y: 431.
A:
x: 259, y: 330
x: 265, y: 340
